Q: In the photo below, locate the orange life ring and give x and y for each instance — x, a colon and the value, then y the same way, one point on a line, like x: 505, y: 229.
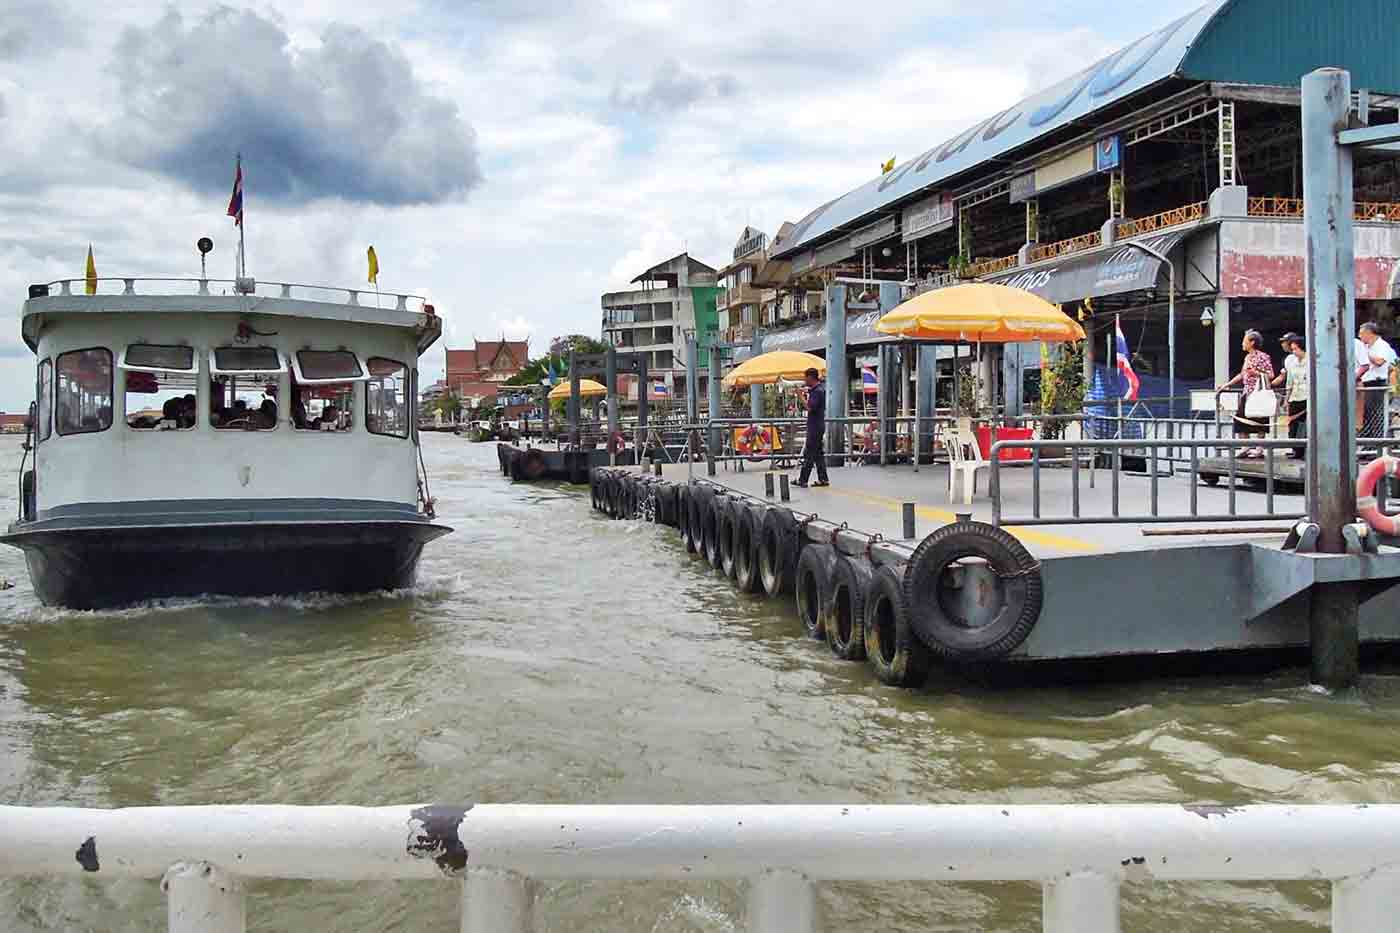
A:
x: 1366, y: 505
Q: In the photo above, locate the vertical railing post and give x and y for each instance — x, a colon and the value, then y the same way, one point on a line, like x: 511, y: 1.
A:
x: 200, y: 898
x: 1082, y: 903
x: 1361, y: 905
x: 495, y: 901
x: 782, y: 901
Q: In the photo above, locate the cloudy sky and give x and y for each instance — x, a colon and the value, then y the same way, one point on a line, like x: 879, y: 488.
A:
x: 512, y: 160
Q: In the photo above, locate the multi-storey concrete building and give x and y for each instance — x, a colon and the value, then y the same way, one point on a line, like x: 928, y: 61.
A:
x: 673, y: 299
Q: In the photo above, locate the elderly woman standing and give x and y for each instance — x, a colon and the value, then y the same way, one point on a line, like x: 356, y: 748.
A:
x: 1254, y: 376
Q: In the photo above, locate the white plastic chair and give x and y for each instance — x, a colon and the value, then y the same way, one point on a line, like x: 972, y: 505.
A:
x: 962, y: 464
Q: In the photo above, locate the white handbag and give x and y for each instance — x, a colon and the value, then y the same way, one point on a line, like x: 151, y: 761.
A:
x: 1261, y: 404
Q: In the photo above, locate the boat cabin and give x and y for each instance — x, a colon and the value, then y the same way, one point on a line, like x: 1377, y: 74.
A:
x: 222, y: 397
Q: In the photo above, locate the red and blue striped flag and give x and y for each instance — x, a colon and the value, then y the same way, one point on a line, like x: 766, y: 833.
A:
x: 1125, y: 365
x: 235, y: 202
x: 868, y: 383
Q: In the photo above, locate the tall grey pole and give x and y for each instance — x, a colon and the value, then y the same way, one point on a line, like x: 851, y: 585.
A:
x: 1331, y: 313
x: 610, y: 374
x: 575, y: 413
x: 838, y: 381
x: 692, y: 380
x: 926, y: 398
x: 714, y: 397
x: 756, y: 392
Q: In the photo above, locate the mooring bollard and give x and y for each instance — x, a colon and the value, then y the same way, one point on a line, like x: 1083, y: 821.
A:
x: 768, y: 484
x: 656, y: 467
x: 909, y: 532
x: 963, y: 517
x: 783, y: 488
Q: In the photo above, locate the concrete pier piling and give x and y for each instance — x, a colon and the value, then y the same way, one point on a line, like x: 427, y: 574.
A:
x: 1331, y: 321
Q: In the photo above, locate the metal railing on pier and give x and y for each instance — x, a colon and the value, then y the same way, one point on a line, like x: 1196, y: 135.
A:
x: 1085, y: 858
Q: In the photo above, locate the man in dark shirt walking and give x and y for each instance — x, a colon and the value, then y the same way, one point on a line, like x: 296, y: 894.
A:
x: 814, y: 453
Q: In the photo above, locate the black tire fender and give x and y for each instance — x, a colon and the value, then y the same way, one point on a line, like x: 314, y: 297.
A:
x: 894, y: 652
x: 709, y: 537
x: 696, y: 495
x: 595, y: 488
x: 683, y: 494
x: 845, y: 621
x: 813, y: 587
x: 748, y: 524
x: 729, y: 517
x: 1016, y: 604
x: 532, y: 464
x: 777, y: 548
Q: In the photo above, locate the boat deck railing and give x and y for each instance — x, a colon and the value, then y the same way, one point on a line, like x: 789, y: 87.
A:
x: 249, y: 287
x: 1086, y: 859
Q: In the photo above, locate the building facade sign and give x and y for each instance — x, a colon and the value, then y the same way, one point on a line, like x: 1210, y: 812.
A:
x: 750, y: 246
x: 1023, y: 188
x: 874, y: 233
x: 931, y: 215
x: 1108, y: 153
x: 1065, y: 169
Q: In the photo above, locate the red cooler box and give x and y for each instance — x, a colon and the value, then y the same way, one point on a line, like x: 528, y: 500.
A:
x: 984, y: 442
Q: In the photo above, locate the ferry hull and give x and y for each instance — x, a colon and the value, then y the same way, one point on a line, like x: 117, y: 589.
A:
x: 98, y: 568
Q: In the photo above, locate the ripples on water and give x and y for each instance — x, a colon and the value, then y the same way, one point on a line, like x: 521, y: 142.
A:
x: 548, y: 655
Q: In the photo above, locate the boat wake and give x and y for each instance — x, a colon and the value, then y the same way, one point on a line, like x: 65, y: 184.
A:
x: 429, y: 588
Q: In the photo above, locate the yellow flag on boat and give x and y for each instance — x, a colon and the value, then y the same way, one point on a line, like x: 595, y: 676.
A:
x: 91, y: 274
x: 887, y: 167
x: 373, y: 267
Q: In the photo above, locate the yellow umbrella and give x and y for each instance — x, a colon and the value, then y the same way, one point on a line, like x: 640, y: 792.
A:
x: 768, y: 368
x: 980, y: 312
x: 587, y: 388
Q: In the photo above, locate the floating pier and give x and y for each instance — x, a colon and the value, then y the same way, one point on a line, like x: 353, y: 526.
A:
x: 973, y: 595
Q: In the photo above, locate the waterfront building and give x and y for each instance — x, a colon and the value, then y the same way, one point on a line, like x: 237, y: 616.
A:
x: 672, y: 300
x: 1186, y: 142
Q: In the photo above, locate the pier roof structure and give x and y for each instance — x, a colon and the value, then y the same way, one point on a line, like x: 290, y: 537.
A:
x: 1269, y: 43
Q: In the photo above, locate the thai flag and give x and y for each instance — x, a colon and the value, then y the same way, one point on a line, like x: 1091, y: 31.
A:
x: 868, y: 383
x: 235, y: 202
x: 1125, y: 365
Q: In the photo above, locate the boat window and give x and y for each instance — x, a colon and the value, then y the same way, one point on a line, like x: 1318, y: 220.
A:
x: 84, y: 402
x: 160, y: 401
x: 43, y: 423
x: 386, y: 397
x: 327, y: 365
x: 237, y: 360
x: 149, y: 357
x: 243, y: 403
x: 323, y: 407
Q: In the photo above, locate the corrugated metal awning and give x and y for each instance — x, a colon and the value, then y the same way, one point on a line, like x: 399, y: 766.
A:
x: 1112, y: 270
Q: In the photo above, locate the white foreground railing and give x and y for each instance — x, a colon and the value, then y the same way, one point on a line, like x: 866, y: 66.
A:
x: 1081, y: 855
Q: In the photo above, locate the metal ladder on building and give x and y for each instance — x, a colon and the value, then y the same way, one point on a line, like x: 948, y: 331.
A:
x: 1227, y: 143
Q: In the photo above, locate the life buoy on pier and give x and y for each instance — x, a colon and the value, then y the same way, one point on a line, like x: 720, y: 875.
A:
x: 1366, y: 505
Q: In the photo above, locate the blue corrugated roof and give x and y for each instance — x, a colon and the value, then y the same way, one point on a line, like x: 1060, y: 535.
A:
x: 1146, y: 62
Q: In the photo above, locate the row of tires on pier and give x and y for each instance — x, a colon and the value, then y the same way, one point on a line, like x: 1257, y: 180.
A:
x: 869, y: 601
x: 528, y: 465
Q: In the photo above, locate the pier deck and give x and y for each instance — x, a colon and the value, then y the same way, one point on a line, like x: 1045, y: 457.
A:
x: 1117, y: 589
x: 870, y: 499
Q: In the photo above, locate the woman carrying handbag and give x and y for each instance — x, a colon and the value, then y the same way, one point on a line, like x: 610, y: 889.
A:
x: 1258, y: 403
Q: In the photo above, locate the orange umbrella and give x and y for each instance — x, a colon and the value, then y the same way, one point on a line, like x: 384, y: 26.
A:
x: 979, y: 312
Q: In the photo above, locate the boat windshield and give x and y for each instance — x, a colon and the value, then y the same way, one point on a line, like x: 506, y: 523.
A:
x: 243, y: 388
x: 84, y: 403
x: 386, y: 397
x: 160, y: 387
x: 323, y: 389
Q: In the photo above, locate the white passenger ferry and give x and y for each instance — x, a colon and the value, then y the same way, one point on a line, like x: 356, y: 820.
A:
x: 231, y: 438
